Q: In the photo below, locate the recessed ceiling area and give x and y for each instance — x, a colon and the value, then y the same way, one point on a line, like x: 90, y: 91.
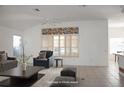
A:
x: 22, y: 17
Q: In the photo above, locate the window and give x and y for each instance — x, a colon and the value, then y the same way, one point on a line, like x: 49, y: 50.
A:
x: 116, y: 44
x: 65, y: 45
x: 47, y: 42
x: 16, y: 45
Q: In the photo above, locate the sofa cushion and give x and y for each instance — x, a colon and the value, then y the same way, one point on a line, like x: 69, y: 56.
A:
x: 1, y: 52
x: 42, y: 55
x: 9, y: 64
x: 43, y: 59
x: 3, y: 57
x: 0, y: 58
x: 48, y: 53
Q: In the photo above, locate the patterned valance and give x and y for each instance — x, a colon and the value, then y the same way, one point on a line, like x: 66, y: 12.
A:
x: 65, y: 30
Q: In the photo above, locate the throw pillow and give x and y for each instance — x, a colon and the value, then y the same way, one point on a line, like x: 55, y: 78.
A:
x: 1, y: 52
x: 0, y: 58
x: 3, y: 57
x: 42, y: 55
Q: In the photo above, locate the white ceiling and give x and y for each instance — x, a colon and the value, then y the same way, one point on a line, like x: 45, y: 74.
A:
x: 21, y: 17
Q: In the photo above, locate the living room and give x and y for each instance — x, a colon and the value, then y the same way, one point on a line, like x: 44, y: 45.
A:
x: 52, y: 44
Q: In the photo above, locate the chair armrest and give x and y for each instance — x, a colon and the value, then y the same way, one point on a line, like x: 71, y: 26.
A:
x: 36, y: 57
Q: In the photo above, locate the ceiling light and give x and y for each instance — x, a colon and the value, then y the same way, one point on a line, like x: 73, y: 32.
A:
x: 36, y: 9
x: 82, y: 5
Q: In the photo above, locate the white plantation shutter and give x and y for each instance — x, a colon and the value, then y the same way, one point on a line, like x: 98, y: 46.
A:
x: 47, y: 42
x: 74, y: 45
x: 68, y: 45
x: 62, y: 41
x: 56, y: 45
x: 62, y: 45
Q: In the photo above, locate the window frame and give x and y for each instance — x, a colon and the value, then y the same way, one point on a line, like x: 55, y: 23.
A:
x: 65, y: 47
x: 17, y: 49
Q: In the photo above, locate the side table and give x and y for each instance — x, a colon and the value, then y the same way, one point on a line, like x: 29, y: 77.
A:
x: 59, y: 59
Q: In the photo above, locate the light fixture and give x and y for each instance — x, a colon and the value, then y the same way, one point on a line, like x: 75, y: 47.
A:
x: 36, y: 9
x: 82, y: 5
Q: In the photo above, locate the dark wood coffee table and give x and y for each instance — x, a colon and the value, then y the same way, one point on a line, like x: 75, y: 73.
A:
x: 20, y: 78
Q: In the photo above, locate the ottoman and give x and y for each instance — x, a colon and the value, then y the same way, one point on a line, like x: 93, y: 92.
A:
x: 64, y: 81
x: 69, y: 71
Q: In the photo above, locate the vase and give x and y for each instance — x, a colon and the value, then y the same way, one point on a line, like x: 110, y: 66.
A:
x: 24, y: 66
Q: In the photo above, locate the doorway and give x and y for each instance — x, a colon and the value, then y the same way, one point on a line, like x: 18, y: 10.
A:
x: 17, y: 42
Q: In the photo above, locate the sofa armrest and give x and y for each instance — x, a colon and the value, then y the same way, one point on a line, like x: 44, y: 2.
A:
x: 11, y: 58
x: 9, y: 64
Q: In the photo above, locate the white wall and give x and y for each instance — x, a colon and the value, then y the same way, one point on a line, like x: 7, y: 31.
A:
x: 6, y: 39
x: 93, y: 42
x: 117, y: 32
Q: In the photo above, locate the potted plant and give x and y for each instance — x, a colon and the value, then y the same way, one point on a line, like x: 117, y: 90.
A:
x: 23, y: 59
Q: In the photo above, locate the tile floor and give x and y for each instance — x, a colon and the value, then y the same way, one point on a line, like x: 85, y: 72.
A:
x: 99, y: 77
x: 88, y: 76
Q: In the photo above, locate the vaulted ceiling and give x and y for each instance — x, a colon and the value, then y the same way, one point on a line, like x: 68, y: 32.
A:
x: 21, y: 17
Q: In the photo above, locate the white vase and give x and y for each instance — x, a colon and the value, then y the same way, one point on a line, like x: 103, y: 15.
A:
x: 24, y: 66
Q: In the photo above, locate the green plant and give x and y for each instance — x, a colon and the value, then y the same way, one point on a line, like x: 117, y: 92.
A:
x: 24, y: 58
